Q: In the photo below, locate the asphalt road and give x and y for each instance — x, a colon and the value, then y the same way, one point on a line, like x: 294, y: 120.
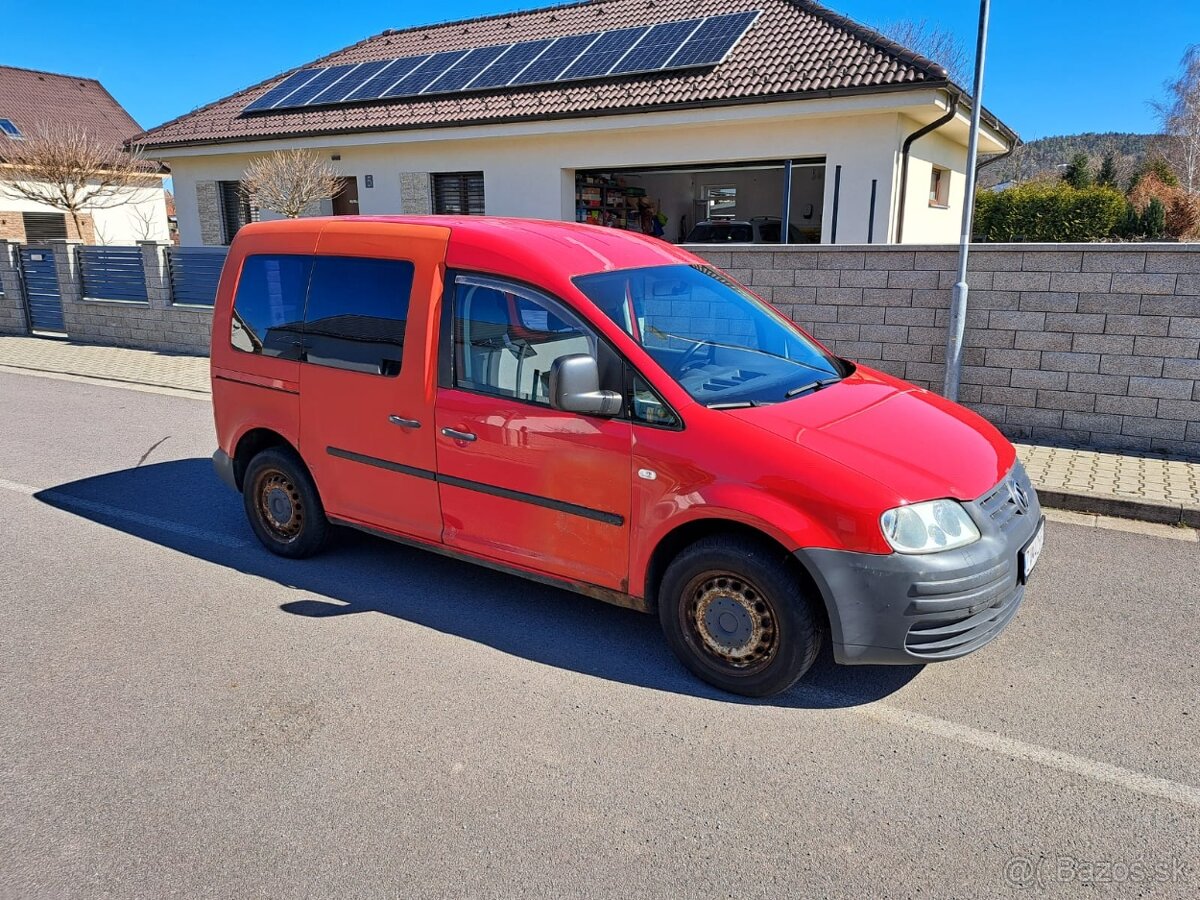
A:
x: 182, y: 714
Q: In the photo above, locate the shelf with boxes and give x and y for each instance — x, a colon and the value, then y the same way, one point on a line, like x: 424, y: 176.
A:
x: 607, y: 200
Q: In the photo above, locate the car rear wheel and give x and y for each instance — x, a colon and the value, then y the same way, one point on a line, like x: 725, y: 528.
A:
x: 282, y: 504
x: 738, y: 616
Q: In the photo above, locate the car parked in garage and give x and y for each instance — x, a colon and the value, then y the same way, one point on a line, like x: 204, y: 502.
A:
x: 608, y: 413
x: 758, y: 230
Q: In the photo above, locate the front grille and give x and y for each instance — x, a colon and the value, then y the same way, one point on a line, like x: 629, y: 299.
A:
x: 1000, y: 505
x: 948, y: 638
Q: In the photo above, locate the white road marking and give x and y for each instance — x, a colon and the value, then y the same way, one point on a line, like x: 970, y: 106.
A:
x: 1106, y: 773
x: 1138, y: 782
x: 115, y: 512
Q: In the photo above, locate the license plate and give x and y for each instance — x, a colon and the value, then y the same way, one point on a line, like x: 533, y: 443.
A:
x: 1029, y: 554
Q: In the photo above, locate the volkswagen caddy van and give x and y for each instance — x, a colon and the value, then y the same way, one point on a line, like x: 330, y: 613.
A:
x: 609, y: 413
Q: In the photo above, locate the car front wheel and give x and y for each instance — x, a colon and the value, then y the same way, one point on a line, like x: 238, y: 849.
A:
x: 737, y: 615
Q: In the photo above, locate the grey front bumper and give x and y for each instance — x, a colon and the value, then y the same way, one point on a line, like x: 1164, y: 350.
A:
x: 905, y: 609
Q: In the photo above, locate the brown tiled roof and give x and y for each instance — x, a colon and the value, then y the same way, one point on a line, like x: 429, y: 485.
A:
x: 34, y: 99
x: 796, y: 48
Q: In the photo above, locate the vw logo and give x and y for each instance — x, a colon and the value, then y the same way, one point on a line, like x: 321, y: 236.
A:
x: 1019, y: 497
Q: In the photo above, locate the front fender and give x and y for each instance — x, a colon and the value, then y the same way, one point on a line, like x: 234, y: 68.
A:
x: 741, y: 504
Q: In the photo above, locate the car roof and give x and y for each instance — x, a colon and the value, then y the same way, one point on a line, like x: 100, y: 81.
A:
x: 521, y: 248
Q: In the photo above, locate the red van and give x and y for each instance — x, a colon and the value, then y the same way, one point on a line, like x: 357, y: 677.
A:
x: 608, y: 413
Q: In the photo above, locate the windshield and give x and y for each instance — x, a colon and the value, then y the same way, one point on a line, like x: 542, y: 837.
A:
x: 722, y: 344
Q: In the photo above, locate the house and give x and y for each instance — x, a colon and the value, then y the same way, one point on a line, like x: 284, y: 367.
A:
x: 32, y: 102
x: 618, y: 112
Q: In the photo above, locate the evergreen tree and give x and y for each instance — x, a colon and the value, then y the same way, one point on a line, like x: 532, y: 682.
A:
x: 1079, y: 172
x: 1108, y: 172
x: 1130, y: 225
x: 1154, y: 220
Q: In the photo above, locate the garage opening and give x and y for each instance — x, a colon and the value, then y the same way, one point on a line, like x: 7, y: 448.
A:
x: 737, y: 202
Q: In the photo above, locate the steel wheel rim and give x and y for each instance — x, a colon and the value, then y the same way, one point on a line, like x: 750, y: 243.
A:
x: 731, y: 621
x: 280, y: 506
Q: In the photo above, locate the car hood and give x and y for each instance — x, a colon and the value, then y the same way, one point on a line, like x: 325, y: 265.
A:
x: 913, y: 442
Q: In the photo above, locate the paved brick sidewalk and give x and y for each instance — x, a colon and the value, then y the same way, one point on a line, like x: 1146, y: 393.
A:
x: 1141, y: 486
x: 1147, y: 487
x: 186, y: 373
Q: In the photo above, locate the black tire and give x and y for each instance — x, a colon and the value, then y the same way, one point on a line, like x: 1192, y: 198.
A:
x: 739, y: 616
x: 282, y: 504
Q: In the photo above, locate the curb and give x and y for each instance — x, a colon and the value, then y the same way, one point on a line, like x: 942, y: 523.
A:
x: 1162, y: 511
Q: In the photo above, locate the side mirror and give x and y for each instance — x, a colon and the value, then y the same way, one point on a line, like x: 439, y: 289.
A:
x: 575, y: 387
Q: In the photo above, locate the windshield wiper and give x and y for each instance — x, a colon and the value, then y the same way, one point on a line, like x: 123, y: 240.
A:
x: 739, y: 404
x: 811, y: 386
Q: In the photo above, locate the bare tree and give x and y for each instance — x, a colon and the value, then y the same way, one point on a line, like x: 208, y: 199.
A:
x: 1179, y: 113
x: 67, y: 169
x: 142, y: 220
x: 291, y: 181
x: 933, y: 42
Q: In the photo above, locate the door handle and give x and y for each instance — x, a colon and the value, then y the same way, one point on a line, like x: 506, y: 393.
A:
x: 403, y: 422
x: 458, y: 435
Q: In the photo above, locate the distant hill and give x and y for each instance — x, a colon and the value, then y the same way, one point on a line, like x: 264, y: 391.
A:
x: 1045, y: 155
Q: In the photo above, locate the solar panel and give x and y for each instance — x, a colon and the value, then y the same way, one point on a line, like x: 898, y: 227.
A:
x: 374, y: 86
x: 506, y: 68
x: 712, y: 41
x: 424, y: 74
x: 339, y: 90
x: 555, y: 60
x: 604, y: 54
x: 681, y: 44
x: 460, y: 74
x: 281, y: 90
x: 656, y: 47
x: 302, y: 95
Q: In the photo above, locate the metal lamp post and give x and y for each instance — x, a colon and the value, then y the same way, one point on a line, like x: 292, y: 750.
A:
x: 958, y: 306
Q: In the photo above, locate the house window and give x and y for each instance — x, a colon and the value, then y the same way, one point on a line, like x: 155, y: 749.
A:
x: 11, y: 130
x: 235, y: 209
x: 458, y: 193
x: 939, y: 188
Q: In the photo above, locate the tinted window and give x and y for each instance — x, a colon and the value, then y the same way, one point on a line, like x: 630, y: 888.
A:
x: 269, y: 305
x: 357, y: 311
x: 505, y: 343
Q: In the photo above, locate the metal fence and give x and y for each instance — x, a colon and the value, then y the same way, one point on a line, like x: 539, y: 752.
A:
x: 112, y: 273
x: 195, y: 272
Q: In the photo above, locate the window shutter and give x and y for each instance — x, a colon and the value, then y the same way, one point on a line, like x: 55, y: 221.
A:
x: 458, y: 193
x: 235, y: 208
x: 44, y: 226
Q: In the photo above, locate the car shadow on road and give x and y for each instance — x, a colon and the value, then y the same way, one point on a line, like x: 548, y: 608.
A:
x: 180, y: 504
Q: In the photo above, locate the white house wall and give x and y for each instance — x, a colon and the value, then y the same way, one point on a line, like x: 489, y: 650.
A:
x: 143, y: 218
x: 925, y: 224
x: 529, y: 172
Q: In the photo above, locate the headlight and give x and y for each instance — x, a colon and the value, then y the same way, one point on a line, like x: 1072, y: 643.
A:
x: 928, y: 527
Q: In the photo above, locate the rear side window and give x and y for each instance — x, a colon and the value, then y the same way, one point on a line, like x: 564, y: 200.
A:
x: 357, y: 312
x: 269, y: 305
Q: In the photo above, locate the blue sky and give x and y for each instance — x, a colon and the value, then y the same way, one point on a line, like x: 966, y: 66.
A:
x: 1055, y: 66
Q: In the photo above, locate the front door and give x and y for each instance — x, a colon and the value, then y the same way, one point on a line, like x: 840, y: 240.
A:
x: 366, y: 395
x: 346, y: 201
x: 521, y: 482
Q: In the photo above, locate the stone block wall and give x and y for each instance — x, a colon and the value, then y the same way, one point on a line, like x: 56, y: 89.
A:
x: 1096, y: 345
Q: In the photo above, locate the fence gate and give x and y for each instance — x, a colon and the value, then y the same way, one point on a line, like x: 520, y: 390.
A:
x: 40, y: 276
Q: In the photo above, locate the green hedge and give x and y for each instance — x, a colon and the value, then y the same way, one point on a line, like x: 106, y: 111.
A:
x: 1050, y: 213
